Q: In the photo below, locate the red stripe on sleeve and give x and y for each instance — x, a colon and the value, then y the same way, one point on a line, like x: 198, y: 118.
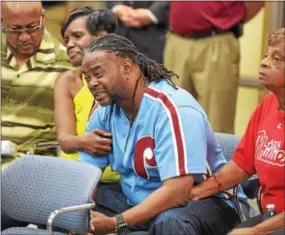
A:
x: 174, y: 120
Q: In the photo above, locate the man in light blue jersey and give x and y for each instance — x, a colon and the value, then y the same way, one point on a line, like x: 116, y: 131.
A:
x: 162, y: 145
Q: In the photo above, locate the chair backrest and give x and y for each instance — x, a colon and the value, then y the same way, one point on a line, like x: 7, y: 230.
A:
x: 34, y: 186
x: 228, y: 143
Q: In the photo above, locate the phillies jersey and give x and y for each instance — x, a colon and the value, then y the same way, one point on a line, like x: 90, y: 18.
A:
x: 261, y: 151
x: 170, y: 137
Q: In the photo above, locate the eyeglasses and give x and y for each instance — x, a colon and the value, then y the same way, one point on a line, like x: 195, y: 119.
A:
x: 28, y: 30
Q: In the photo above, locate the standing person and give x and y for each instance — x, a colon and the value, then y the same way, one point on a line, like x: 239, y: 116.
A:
x: 202, y: 47
x: 261, y: 150
x: 73, y: 100
x: 31, y: 61
x: 162, y: 145
x: 144, y: 23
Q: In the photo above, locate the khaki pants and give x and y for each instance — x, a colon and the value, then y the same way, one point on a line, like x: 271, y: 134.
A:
x: 209, y: 69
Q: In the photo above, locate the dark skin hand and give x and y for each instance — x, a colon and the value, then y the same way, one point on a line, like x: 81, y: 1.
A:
x: 67, y: 86
x: 98, y: 142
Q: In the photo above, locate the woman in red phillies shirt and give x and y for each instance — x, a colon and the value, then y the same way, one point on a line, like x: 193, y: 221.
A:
x: 261, y: 150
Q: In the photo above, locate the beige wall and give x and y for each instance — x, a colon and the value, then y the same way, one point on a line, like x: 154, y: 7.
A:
x: 252, y: 44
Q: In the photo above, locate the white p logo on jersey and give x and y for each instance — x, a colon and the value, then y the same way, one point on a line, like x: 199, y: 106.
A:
x: 148, y: 153
x: 144, y: 156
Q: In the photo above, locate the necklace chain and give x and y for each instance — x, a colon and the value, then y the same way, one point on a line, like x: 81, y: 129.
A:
x: 133, y: 115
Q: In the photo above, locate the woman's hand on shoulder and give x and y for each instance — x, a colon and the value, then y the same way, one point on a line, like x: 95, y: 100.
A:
x: 98, y: 142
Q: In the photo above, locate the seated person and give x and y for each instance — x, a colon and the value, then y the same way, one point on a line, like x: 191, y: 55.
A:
x: 261, y: 150
x: 163, y: 144
x: 72, y: 98
x: 30, y: 63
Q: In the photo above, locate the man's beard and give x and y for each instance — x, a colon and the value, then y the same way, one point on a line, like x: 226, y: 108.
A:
x: 116, y: 98
x: 113, y: 98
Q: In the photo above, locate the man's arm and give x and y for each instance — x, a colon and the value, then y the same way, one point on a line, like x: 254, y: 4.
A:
x: 252, y: 8
x: 177, y: 160
x: 173, y: 193
x: 120, y: 9
x: 161, y: 11
x: 156, y: 13
x: 179, y: 155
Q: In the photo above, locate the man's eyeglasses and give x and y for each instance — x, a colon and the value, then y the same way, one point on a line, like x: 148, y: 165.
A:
x: 19, y: 31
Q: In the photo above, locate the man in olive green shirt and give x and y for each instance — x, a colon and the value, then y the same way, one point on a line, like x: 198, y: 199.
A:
x: 31, y: 60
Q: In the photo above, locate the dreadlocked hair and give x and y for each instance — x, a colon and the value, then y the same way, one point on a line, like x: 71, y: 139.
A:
x: 121, y: 46
x: 97, y: 19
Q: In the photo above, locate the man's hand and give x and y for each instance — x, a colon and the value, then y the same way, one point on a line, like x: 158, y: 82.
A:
x: 194, y: 194
x: 142, y: 15
x: 125, y: 14
x: 245, y: 231
x: 130, y: 22
x: 123, y: 11
x: 97, y: 142
x: 133, y: 18
x: 101, y: 224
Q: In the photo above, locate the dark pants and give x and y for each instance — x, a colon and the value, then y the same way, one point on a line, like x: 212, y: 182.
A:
x: 8, y: 222
x: 257, y: 220
x: 210, y: 216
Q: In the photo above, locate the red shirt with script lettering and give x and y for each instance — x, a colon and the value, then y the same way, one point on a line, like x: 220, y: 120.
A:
x: 261, y: 151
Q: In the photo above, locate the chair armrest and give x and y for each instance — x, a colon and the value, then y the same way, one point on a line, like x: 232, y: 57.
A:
x: 43, y: 146
x: 55, y: 213
x: 251, y: 187
x: 237, y: 205
x: 252, y: 190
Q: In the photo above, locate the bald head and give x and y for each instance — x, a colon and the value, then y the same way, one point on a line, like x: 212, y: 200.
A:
x: 23, y: 22
x: 21, y: 8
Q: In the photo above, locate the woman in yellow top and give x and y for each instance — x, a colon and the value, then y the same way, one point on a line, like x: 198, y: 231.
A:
x: 72, y: 98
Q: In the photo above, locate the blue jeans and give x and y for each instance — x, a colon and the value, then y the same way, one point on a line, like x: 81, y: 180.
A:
x: 211, y: 216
